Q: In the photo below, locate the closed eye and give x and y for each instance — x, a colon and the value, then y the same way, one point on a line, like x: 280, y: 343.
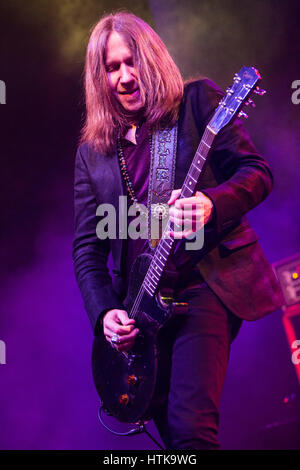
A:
x: 129, y: 62
x: 112, y: 67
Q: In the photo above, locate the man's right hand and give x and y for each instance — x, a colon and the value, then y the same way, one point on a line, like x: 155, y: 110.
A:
x: 117, y: 322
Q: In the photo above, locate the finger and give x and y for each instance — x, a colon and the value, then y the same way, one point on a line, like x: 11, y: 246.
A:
x: 174, y: 195
x: 112, y: 316
x: 128, y: 337
x: 190, y: 203
x: 180, y: 235
x: 117, y: 329
x: 123, y: 335
x: 115, y: 318
x: 123, y: 318
x: 176, y: 217
x: 178, y: 225
x: 124, y: 331
x: 125, y: 342
x: 193, y: 222
x: 186, y: 209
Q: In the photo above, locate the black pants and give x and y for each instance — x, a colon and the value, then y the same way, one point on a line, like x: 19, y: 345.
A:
x: 199, y: 342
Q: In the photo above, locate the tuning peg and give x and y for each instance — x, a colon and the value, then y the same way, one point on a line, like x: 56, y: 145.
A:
x: 229, y: 91
x: 242, y: 114
x: 251, y: 103
x: 259, y: 91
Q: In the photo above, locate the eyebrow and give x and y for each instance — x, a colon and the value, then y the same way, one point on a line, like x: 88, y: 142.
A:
x: 109, y: 63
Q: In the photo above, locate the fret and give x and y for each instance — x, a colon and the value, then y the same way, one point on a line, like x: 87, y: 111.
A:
x: 162, y: 256
x: 194, y: 173
x: 150, y: 293
x: 210, y: 130
x: 149, y: 283
x: 159, y: 256
x: 153, y: 274
x: 159, y: 261
x: 194, y: 164
x: 187, y: 187
x: 190, y: 176
x: 200, y: 155
x: 156, y: 267
x: 203, y: 142
x: 203, y: 154
x: 166, y: 251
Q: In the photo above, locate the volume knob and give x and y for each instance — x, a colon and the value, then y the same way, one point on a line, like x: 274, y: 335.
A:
x: 124, y: 399
x: 132, y: 379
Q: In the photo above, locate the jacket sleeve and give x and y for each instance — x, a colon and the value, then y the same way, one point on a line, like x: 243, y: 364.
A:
x: 90, y: 254
x: 243, y: 177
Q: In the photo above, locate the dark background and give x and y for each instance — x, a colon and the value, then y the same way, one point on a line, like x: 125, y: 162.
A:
x: 47, y: 397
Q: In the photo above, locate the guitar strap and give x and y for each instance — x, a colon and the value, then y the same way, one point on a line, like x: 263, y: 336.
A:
x: 161, y: 184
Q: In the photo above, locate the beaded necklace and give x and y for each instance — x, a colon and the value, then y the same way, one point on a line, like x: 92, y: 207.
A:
x: 127, y: 180
x: 124, y: 171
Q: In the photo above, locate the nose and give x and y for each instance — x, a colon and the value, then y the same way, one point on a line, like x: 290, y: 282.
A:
x: 126, y: 74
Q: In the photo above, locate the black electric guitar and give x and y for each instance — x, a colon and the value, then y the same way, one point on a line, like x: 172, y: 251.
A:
x: 132, y: 385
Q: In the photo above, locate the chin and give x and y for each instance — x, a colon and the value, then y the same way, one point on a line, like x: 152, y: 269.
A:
x: 133, y: 108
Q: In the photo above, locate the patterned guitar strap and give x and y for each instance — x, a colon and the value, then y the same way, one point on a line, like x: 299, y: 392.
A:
x: 161, y: 184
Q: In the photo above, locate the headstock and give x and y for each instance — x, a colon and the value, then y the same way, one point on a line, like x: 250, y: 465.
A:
x: 245, y: 82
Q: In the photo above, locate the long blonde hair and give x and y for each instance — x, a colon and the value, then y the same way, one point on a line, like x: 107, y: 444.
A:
x: 160, y: 82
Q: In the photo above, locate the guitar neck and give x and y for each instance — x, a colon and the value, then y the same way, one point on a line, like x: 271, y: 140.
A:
x: 163, y: 249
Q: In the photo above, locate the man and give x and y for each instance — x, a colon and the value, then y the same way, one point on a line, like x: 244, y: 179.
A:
x: 133, y: 88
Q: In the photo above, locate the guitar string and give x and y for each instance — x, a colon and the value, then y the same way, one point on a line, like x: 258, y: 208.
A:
x: 134, y: 310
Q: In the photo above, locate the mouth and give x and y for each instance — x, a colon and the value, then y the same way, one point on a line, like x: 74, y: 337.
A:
x: 129, y: 93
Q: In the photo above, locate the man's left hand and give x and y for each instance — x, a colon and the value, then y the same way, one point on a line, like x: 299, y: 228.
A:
x: 189, y: 214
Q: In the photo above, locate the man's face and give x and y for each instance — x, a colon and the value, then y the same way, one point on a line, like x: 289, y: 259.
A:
x: 121, y: 73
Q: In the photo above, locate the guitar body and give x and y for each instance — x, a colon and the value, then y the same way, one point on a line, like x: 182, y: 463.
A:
x: 132, y: 385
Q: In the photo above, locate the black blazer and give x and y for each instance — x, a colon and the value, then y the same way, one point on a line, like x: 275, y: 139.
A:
x: 236, y: 178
